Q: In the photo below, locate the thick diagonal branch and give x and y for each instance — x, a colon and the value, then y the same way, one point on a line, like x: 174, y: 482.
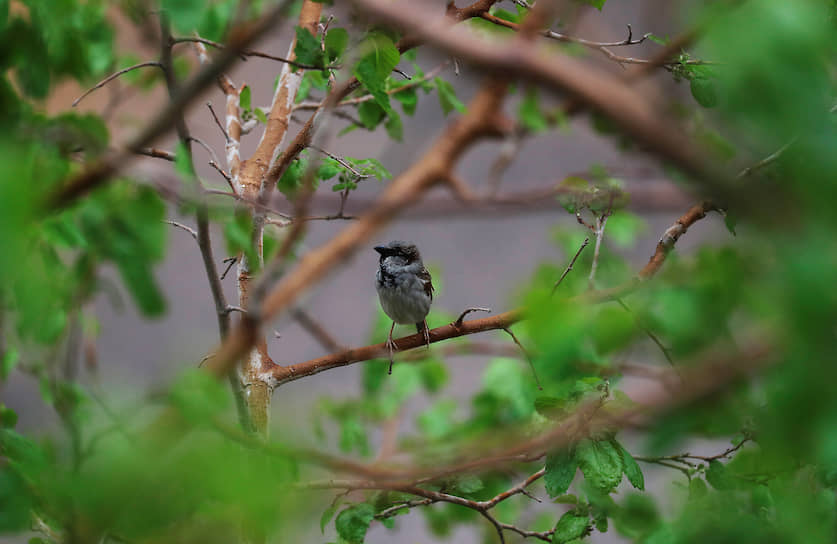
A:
x: 602, y: 92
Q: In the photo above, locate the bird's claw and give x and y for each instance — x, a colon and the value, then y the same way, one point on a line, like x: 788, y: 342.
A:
x: 392, y: 347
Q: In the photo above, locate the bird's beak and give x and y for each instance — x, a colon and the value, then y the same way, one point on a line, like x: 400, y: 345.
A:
x: 382, y: 250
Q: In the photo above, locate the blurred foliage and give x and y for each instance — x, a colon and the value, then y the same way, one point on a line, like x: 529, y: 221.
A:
x: 760, y: 78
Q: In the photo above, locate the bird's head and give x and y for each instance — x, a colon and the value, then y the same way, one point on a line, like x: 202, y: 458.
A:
x: 404, y: 251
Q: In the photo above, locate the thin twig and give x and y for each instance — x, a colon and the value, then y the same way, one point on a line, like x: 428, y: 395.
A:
x: 773, y: 157
x: 581, y: 221
x: 526, y: 353
x: 519, y: 488
x: 458, y: 322
x: 600, y: 227
x: 230, y: 262
x: 114, y: 76
x: 230, y: 309
x: 648, y: 332
x: 401, y: 73
x: 341, y: 161
x: 157, y: 153
x: 497, y: 526
x: 205, y: 146
x: 310, y: 105
x: 218, y: 122
x: 570, y: 266
x: 255, y: 53
x: 685, y: 466
x: 393, y: 510
x: 250, y: 202
x: 190, y: 230
x: 546, y: 536
x: 224, y: 175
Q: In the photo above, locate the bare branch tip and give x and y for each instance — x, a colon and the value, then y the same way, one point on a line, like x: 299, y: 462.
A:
x: 461, y: 318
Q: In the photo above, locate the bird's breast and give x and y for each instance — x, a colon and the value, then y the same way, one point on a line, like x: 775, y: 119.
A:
x: 402, y: 297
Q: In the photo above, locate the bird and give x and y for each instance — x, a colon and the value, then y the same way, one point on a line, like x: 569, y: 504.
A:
x: 405, y: 289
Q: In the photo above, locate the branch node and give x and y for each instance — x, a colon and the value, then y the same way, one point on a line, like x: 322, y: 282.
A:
x: 230, y: 309
x: 458, y: 323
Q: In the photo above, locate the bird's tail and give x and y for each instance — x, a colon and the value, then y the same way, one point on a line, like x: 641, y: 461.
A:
x: 421, y: 327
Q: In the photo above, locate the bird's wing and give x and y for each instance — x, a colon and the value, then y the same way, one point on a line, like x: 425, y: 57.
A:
x: 424, y: 276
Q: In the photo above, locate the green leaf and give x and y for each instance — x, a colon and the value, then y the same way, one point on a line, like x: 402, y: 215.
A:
x: 244, y: 98
x: 623, y: 228
x: 185, y: 15
x: 598, y: 4
x: 730, y: 221
x: 601, y: 464
x: 560, y: 471
x: 447, y: 97
x: 529, y: 112
x: 704, y: 92
x: 394, y: 127
x: 291, y: 179
x: 33, y: 64
x: 328, y: 168
x: 183, y: 164
x: 353, y: 435
x: 408, y: 98
x: 143, y: 288
x: 199, y: 396
x: 311, y: 79
x: 372, y: 167
x: 697, y: 488
x: 468, y: 484
x: 336, y: 41
x: 307, y: 49
x: 637, y: 516
x: 260, y: 115
x: 507, y: 15
x: 380, y: 56
x: 238, y: 234
x: 657, y: 39
x: 370, y: 114
x: 630, y: 467
x: 434, y: 375
x: 4, y: 13
x: 353, y: 522
x: 9, y: 362
x: 71, y: 132
x: 328, y: 513
x: 573, y: 193
x: 719, y: 477
x: 570, y: 526
x: 17, y: 502
x: 437, y: 421
x: 8, y: 417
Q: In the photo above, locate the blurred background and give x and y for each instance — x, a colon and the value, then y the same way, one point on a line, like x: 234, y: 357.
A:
x: 480, y: 255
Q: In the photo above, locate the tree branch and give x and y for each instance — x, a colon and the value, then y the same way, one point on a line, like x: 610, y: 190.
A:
x: 101, y: 171
x: 284, y: 374
x: 610, y: 95
x: 114, y: 76
x: 253, y: 53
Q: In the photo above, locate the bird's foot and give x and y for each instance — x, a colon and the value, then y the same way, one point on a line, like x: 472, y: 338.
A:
x: 392, y: 347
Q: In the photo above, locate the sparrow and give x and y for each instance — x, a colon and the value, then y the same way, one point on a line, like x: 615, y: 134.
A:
x: 405, y: 289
